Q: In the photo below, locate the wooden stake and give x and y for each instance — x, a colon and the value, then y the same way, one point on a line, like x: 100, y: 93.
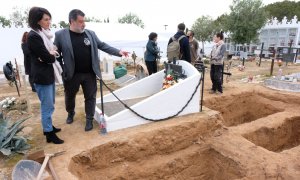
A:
x: 26, y: 94
x: 17, y: 73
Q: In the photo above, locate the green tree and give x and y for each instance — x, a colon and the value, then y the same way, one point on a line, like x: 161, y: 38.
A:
x: 92, y: 19
x: 5, y: 22
x: 220, y: 24
x: 25, y: 15
x: 63, y: 24
x: 131, y: 18
x: 246, y: 18
x: 203, y: 28
x: 53, y: 25
x: 19, y: 17
x: 284, y: 8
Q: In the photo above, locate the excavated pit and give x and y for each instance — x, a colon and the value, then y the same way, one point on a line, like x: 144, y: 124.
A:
x: 193, y: 162
x: 175, y: 151
x: 242, y: 108
x: 277, y: 139
x: 178, y: 149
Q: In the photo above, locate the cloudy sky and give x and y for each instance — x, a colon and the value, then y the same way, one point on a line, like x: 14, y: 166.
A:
x: 154, y: 13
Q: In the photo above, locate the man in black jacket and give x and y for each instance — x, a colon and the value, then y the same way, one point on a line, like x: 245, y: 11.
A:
x: 184, y: 43
x: 81, y: 65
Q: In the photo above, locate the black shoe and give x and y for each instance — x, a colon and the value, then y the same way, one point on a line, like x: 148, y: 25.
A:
x: 55, y: 130
x: 51, y: 137
x: 88, y: 125
x: 70, y: 118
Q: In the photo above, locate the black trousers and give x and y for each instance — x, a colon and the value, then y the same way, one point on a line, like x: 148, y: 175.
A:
x: 30, y: 78
x: 89, y: 87
x: 216, y: 77
x: 151, y: 66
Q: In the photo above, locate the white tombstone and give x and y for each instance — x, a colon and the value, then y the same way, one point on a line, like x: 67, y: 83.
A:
x: 147, y: 98
x: 243, y: 55
x: 108, y: 68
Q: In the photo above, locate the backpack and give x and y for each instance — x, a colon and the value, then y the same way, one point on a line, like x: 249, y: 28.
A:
x: 173, y: 49
x: 8, y: 71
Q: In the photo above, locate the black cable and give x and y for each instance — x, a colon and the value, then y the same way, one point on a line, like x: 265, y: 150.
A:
x: 143, y: 117
x: 202, y: 88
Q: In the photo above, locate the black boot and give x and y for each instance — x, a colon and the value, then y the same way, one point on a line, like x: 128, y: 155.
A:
x: 55, y: 130
x: 51, y: 137
x: 70, y: 117
x: 88, y: 125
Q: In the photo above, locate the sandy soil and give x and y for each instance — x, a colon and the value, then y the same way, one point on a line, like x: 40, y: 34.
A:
x: 249, y: 132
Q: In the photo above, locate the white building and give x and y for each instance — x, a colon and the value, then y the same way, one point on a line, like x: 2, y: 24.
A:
x: 238, y: 49
x: 280, y: 35
x: 274, y: 35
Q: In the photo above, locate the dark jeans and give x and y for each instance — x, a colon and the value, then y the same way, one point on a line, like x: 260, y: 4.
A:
x: 216, y: 77
x: 151, y: 66
x: 89, y: 87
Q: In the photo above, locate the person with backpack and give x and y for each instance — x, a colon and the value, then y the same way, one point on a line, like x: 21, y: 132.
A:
x: 216, y: 62
x: 151, y: 53
x: 178, y: 46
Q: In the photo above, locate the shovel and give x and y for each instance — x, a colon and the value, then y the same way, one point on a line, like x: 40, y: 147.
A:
x: 26, y: 170
x: 42, y: 157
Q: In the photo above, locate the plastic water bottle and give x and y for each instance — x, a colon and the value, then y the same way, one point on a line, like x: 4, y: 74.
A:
x: 102, y: 124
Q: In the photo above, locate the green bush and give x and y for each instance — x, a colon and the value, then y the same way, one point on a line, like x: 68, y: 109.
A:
x: 10, y: 142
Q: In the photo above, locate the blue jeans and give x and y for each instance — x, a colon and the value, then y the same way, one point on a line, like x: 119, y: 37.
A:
x: 46, y: 94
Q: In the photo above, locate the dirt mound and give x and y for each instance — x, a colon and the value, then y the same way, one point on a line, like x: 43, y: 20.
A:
x: 166, y: 153
x: 242, y: 108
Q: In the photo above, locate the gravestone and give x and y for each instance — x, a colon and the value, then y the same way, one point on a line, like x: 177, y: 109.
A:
x: 243, y: 55
x: 288, y: 57
x: 108, y: 69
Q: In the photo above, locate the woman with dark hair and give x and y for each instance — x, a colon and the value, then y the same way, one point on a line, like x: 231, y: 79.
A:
x: 42, y: 58
x: 27, y: 59
x: 216, y: 62
x: 151, y: 53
